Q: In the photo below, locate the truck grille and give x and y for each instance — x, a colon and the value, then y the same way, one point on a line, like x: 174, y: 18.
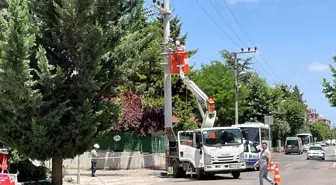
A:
x: 224, y: 159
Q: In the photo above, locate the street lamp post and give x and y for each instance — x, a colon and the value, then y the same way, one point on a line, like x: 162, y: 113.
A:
x: 236, y: 77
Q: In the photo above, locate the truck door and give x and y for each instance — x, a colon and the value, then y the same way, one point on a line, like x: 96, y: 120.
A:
x: 198, y: 146
x: 186, y: 146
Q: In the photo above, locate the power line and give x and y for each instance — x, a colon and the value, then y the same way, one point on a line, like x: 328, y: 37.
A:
x: 262, y: 68
x: 238, y: 23
x: 218, y: 25
x: 267, y: 74
x: 235, y: 33
x: 231, y: 12
x: 227, y: 23
x: 270, y: 67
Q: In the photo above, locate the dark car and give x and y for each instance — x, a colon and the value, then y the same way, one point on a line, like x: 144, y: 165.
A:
x: 293, y: 145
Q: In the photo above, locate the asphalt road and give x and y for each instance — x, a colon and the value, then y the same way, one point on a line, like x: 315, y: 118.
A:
x: 294, y: 169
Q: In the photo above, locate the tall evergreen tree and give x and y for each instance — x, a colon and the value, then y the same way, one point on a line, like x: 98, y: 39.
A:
x: 297, y: 94
x: 258, y: 100
x: 51, y: 86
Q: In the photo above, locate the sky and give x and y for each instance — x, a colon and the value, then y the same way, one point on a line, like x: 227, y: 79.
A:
x: 295, y: 39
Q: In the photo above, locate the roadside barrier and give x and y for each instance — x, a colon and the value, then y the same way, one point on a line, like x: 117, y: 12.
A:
x: 118, y: 161
x: 127, y: 156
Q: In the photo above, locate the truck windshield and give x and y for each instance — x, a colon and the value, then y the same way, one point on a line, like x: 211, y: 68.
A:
x: 222, y: 137
x: 305, y: 139
x: 251, y: 134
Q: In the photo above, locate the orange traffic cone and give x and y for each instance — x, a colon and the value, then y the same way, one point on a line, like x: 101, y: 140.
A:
x: 271, y: 167
x: 277, y: 175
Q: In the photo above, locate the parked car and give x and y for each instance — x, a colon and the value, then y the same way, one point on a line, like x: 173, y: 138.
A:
x: 293, y: 145
x: 323, y: 143
x: 316, y: 151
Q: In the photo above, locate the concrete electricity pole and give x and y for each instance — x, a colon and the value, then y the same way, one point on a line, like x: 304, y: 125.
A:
x: 168, y: 113
x: 236, y: 78
x: 165, y: 12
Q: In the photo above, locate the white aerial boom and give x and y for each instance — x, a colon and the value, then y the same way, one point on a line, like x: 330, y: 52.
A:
x: 209, y: 116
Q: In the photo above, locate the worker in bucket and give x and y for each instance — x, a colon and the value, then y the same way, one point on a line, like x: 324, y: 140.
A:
x: 263, y: 162
x: 94, y: 159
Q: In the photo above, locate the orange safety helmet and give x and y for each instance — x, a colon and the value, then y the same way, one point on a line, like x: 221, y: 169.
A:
x: 212, y: 135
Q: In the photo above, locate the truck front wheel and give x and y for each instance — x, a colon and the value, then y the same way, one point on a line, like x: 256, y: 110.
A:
x: 199, y: 173
x: 178, y: 172
x: 235, y: 174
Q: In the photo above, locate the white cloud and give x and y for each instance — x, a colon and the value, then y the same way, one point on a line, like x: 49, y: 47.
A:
x: 240, y: 1
x: 315, y: 66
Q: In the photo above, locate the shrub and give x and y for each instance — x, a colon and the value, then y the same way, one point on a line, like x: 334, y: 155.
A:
x: 27, y: 170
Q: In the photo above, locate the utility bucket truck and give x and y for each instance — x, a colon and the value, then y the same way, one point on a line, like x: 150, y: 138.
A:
x: 209, y: 150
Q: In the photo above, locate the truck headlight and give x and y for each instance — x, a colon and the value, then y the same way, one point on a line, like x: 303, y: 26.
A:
x: 241, y: 157
x: 207, y: 159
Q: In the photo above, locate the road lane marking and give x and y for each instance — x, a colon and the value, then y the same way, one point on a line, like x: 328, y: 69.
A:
x: 288, y: 165
x: 304, y: 158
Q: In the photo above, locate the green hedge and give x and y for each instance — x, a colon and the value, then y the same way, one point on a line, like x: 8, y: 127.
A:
x: 132, y: 142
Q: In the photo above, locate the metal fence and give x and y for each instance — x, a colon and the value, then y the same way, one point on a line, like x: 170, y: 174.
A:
x: 132, y: 142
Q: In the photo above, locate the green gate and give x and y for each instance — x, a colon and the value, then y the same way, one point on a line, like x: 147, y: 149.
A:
x: 132, y: 142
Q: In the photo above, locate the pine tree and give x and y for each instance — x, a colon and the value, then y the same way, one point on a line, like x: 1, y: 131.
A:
x: 58, y: 59
x: 144, y: 74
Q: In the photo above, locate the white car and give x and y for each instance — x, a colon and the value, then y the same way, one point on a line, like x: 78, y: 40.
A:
x: 316, y: 151
x: 323, y: 143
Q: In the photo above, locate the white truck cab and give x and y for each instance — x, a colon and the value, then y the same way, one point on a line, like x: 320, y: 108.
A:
x: 210, y: 151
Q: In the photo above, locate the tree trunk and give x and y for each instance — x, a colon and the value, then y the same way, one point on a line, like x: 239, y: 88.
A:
x: 57, y: 164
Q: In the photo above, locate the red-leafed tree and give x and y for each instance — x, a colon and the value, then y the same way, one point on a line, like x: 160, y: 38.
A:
x: 152, y: 120
x: 138, y: 119
x: 131, y: 111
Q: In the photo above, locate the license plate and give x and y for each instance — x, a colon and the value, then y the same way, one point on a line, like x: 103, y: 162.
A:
x: 234, y: 165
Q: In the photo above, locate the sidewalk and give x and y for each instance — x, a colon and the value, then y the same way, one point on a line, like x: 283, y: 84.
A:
x: 119, y: 177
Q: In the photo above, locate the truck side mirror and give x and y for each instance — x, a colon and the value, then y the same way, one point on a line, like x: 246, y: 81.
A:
x: 199, y: 145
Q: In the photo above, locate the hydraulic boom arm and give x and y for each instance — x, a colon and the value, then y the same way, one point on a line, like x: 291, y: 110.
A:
x: 209, y: 116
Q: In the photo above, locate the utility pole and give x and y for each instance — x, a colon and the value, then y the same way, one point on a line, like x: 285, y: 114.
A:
x: 236, y: 77
x: 165, y: 12
x: 78, y: 169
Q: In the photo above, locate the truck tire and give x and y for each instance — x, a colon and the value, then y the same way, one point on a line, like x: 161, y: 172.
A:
x: 200, y: 173
x: 178, y: 172
x: 209, y: 176
x: 235, y: 174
